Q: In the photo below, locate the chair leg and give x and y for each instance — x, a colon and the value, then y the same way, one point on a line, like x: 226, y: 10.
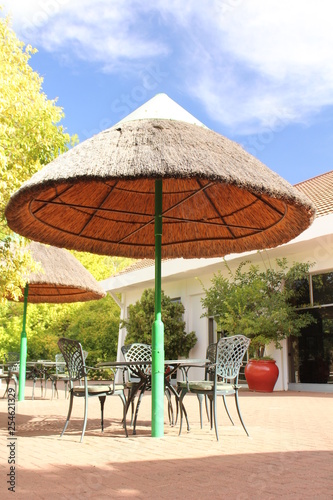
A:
x: 183, y: 411
x: 215, y: 418
x: 122, y: 397
x: 211, y: 412
x: 227, y: 410
x: 102, y: 401
x: 54, y: 387
x: 177, y: 408
x: 7, y: 387
x: 200, y: 399
x: 85, y: 417
x: 68, y: 414
x: 186, y: 418
x: 170, y: 408
x: 130, y: 402
x: 137, y: 408
x: 132, y: 412
x: 45, y: 381
x: 239, y: 413
x: 206, y: 404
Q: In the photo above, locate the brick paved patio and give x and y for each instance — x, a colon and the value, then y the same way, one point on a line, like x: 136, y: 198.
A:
x: 289, y: 454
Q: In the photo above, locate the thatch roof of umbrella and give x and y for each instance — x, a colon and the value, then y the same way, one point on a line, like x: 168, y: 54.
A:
x: 217, y: 198
x: 61, y: 278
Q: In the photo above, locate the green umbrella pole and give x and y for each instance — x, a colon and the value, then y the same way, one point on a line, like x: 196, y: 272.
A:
x: 157, y: 376
x: 23, y: 349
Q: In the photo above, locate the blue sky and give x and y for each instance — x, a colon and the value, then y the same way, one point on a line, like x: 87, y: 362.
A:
x: 259, y: 72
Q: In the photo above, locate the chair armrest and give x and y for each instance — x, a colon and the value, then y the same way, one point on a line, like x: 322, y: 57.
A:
x: 114, y: 370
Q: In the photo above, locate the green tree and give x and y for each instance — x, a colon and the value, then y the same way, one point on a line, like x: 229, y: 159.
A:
x: 95, y: 324
x: 30, y: 137
x: 102, y: 266
x: 258, y: 304
x: 141, y: 317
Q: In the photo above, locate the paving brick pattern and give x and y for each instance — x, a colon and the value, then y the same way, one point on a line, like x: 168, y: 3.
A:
x: 289, y: 453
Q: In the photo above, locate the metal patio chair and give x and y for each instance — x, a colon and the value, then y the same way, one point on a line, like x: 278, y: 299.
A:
x: 77, y: 370
x: 139, y: 384
x: 209, y: 375
x: 10, y: 367
x: 61, y: 374
x: 224, y: 372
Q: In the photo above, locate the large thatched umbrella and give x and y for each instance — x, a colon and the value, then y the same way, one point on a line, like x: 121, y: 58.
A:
x: 60, y: 278
x: 104, y: 196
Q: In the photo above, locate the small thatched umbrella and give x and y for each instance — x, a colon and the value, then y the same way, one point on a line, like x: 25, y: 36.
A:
x: 104, y: 196
x: 60, y: 279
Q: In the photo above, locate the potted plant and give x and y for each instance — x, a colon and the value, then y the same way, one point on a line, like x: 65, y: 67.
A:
x: 260, y: 304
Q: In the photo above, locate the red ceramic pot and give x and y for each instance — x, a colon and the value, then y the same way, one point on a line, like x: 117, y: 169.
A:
x: 261, y: 375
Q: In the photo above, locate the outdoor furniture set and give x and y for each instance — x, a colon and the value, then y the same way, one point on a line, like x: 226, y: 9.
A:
x: 38, y: 371
x: 222, y: 366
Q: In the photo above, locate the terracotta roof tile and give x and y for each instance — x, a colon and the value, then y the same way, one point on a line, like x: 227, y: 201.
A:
x: 320, y: 190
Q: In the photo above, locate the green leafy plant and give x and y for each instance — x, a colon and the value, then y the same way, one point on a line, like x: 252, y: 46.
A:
x: 260, y: 304
x: 141, y: 316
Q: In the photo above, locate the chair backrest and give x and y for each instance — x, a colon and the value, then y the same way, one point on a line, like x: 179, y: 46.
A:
x: 211, y: 352
x: 14, y: 359
x: 230, y: 352
x: 74, y: 358
x: 138, y: 352
x: 60, y: 367
x: 211, y: 356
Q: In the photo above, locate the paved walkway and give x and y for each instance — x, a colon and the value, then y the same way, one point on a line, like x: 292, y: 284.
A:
x: 289, y: 454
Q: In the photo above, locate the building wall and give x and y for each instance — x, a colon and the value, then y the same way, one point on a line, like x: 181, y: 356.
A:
x: 180, y: 280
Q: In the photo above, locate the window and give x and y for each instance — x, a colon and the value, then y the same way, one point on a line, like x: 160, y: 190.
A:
x: 322, y: 288
x: 311, y: 354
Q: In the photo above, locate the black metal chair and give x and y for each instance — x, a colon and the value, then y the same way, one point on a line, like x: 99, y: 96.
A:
x: 10, y: 369
x: 77, y: 370
x: 224, y: 372
x: 139, y: 384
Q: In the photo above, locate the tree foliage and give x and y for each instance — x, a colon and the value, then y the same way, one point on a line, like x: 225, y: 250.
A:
x: 258, y: 304
x: 141, y: 317
x: 102, y: 266
x: 95, y: 324
x: 30, y: 137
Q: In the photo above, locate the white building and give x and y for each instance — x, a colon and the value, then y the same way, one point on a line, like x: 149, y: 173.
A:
x: 305, y: 363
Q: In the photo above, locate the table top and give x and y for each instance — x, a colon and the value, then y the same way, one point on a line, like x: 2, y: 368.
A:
x: 178, y: 362
x: 45, y: 363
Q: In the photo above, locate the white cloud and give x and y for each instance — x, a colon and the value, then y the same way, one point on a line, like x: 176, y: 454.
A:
x: 251, y: 63
x: 100, y: 31
x: 267, y: 62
